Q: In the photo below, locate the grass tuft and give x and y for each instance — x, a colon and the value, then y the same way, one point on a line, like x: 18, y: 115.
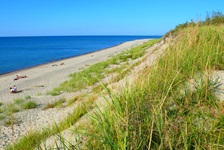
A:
x: 29, y: 105
x: 57, y: 104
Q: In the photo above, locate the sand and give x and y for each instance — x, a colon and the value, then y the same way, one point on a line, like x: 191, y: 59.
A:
x: 39, y: 81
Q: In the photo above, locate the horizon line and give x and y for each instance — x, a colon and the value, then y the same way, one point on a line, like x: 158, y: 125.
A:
x: 73, y: 35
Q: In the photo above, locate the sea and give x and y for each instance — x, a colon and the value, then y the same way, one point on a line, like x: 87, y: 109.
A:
x: 23, y: 52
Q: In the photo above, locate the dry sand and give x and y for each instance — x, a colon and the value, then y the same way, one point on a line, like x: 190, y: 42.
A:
x: 41, y: 79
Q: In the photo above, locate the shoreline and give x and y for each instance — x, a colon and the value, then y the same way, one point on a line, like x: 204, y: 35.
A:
x: 52, y: 62
x: 52, y: 74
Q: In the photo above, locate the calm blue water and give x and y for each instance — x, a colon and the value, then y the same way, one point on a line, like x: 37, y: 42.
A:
x: 23, y: 52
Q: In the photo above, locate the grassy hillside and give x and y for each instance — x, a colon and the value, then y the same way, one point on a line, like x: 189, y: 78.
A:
x: 172, y: 105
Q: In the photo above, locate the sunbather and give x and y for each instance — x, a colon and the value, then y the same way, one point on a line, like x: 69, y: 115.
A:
x: 19, y: 77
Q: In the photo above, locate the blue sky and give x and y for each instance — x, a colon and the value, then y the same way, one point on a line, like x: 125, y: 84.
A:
x: 99, y: 17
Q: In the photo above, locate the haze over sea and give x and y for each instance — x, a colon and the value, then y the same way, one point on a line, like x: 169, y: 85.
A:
x: 22, y: 52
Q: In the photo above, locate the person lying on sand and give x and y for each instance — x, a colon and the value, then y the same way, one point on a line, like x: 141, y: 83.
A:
x: 13, y: 89
x: 19, y: 77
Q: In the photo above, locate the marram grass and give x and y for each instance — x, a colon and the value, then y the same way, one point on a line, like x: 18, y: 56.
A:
x: 161, y: 111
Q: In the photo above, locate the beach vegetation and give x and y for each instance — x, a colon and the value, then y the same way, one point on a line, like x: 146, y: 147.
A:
x: 29, y: 105
x: 59, y: 103
x: 18, y: 105
x: 18, y: 101
x: 96, y: 72
x: 9, y: 122
x: 81, y: 68
x: 10, y: 109
x: 9, y: 119
x: 214, y: 18
x: 39, y: 94
x: 54, y: 92
x: 162, y: 110
x: 1, y: 110
x: 35, y: 138
x: 2, y: 117
x: 27, y: 97
x: 15, y: 109
x: 76, y: 98
x: 1, y: 103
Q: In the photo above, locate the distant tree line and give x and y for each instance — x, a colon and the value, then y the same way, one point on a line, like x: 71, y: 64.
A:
x: 215, y: 18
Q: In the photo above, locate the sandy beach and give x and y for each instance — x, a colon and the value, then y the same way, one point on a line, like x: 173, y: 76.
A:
x: 43, y: 78
x: 39, y: 81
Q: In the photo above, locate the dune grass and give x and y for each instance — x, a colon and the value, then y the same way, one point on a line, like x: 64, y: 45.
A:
x: 35, y: 138
x: 98, y: 71
x: 18, y: 105
x: 161, y: 110
x: 57, y: 103
x: 29, y: 105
